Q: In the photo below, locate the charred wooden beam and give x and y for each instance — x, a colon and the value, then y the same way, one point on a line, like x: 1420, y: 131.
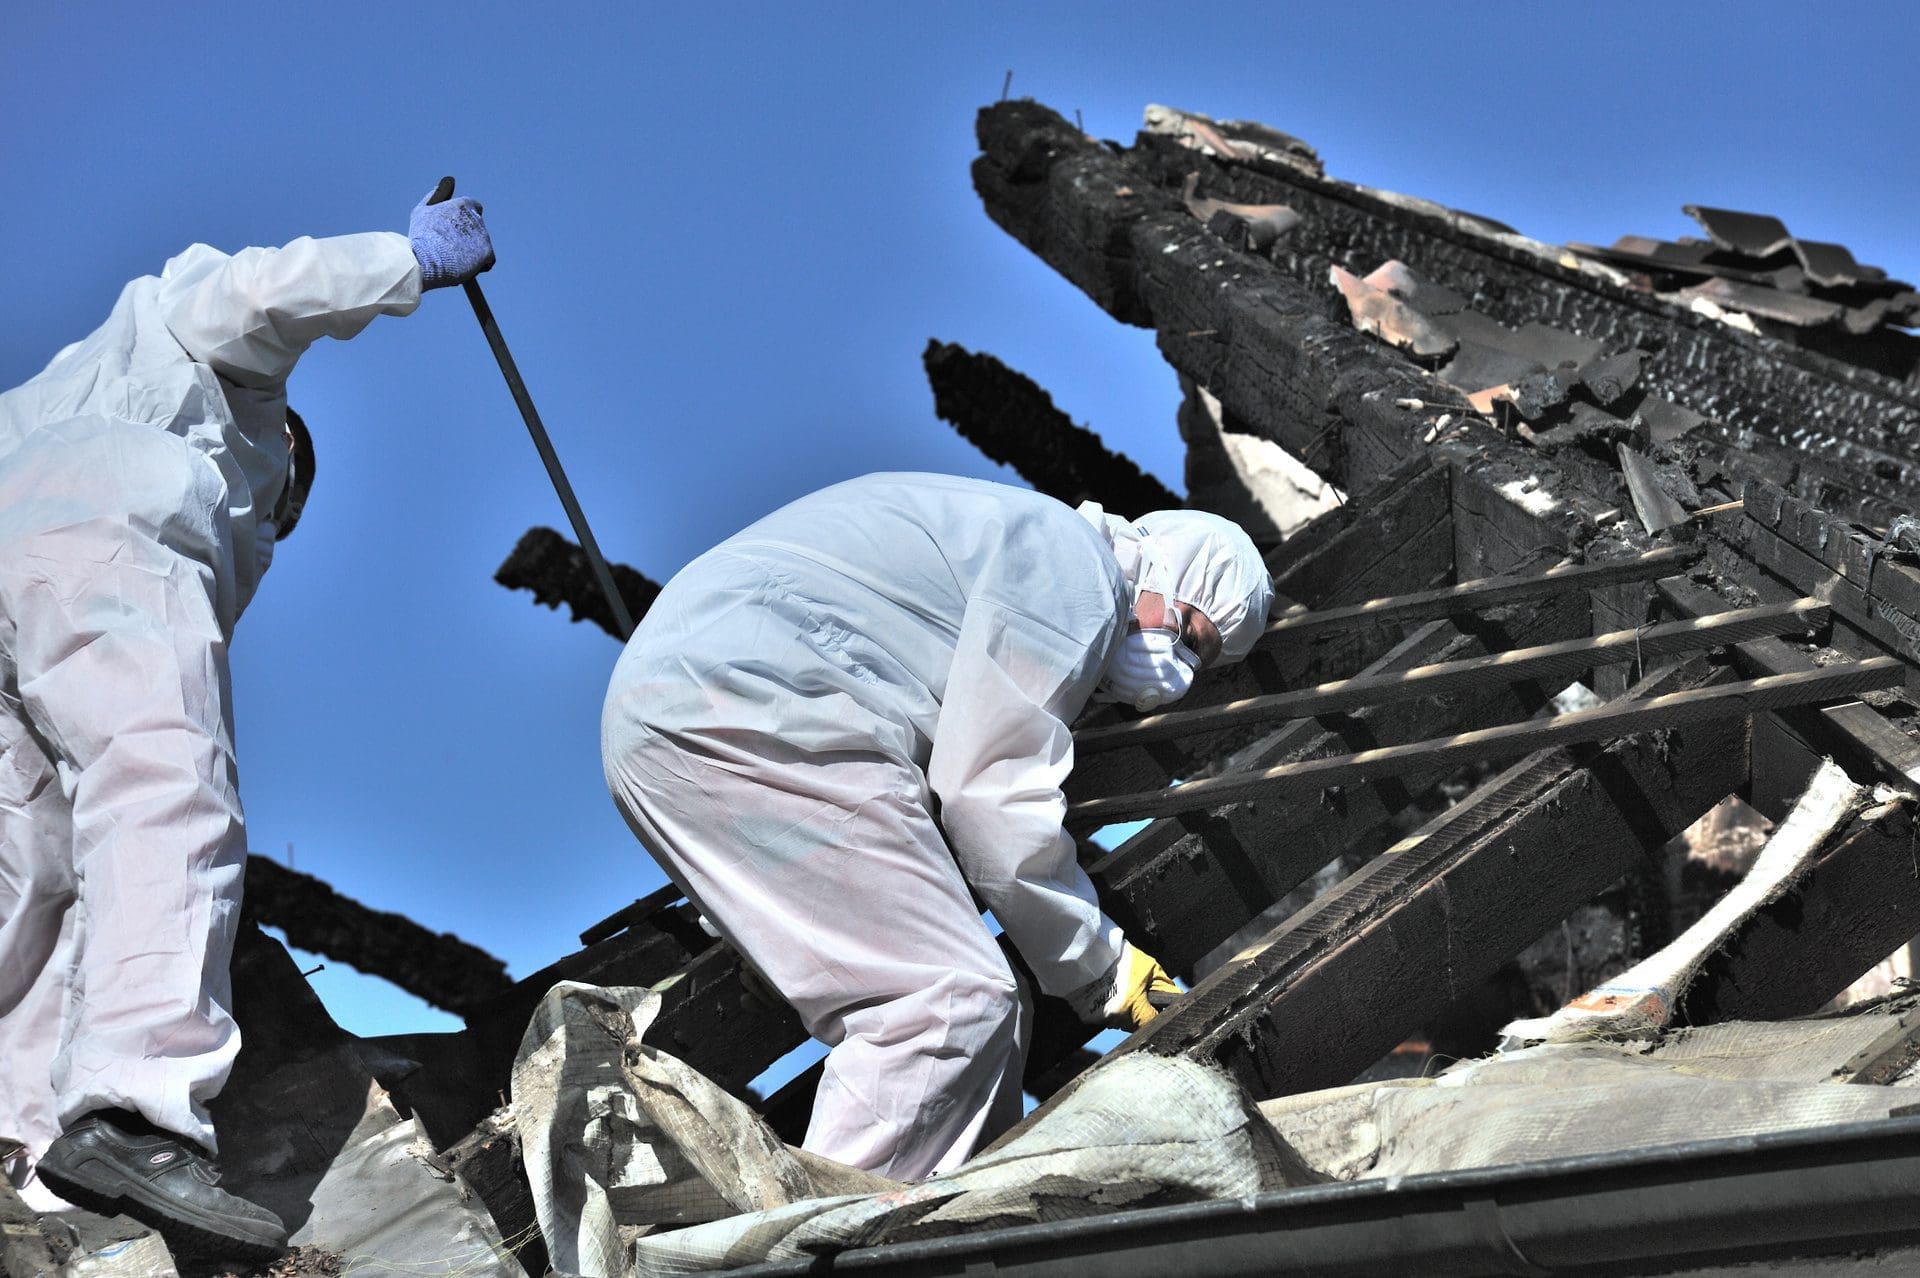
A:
x: 1188, y: 883
x: 1262, y: 343
x: 1013, y: 421
x: 1401, y: 540
x: 652, y: 908
x: 1664, y: 713
x: 1338, y: 984
x: 1180, y: 887
x: 557, y: 572
x: 1557, y: 664
x: 438, y: 967
x: 1871, y: 590
x: 1372, y: 542
x: 1864, y: 557
x: 1254, y: 330
x: 1803, y: 400
x: 1483, y: 593
x: 1854, y: 734
x: 1306, y: 561
x: 1232, y: 322
x: 1359, y: 970
x: 710, y: 1019
x: 1854, y: 607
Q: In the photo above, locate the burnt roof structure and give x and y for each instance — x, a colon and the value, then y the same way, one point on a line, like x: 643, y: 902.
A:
x: 1490, y: 405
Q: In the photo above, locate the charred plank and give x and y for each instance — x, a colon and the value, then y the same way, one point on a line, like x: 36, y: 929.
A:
x: 1782, y: 391
x: 1181, y: 886
x: 557, y: 572
x: 1007, y: 416
x: 1330, y: 990
x: 1664, y: 713
x: 1484, y: 593
x: 1402, y: 542
x: 1558, y: 664
x: 438, y: 967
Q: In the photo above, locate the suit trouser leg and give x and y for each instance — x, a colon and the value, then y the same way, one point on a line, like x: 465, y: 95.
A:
x: 36, y: 937
x: 834, y: 880
x: 121, y: 669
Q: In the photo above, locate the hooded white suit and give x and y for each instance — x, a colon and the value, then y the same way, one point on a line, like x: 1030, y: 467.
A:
x: 134, y: 472
x: 789, y: 718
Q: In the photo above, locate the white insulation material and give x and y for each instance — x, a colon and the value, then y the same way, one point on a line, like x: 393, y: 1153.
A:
x: 1643, y: 997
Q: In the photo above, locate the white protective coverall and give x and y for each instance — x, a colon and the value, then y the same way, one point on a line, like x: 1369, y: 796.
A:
x: 135, y: 471
x: 787, y: 720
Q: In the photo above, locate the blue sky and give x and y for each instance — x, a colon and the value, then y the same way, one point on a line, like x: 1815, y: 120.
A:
x: 725, y: 232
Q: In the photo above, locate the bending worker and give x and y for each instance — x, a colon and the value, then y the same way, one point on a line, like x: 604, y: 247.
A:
x: 833, y: 725
x: 145, y: 477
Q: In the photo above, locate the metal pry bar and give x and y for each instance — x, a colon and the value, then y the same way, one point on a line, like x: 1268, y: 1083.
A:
x: 544, y: 445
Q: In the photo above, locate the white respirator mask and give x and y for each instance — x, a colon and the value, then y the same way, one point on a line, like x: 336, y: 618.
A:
x: 1150, y: 669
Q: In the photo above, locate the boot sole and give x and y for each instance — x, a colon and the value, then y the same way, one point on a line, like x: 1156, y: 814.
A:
x: 191, y: 1235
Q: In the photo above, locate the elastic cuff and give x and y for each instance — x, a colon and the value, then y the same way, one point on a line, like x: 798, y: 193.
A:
x: 1090, y: 1001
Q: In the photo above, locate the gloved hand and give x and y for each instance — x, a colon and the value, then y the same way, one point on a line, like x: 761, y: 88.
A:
x: 1130, y: 994
x: 449, y: 241
x: 1141, y: 990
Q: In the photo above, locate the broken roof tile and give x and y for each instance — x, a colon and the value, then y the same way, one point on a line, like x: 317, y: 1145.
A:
x: 1375, y: 310
x: 1861, y: 320
x: 1608, y: 377
x: 1239, y: 141
x: 1553, y: 346
x: 1428, y: 298
x: 1750, y: 234
x: 1477, y: 366
x: 1828, y: 263
x: 1666, y: 420
x: 1265, y: 222
x: 1798, y: 309
x: 1538, y: 394
x: 1658, y: 510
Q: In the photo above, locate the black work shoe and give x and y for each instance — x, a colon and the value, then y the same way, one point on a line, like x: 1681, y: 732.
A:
x: 161, y: 1181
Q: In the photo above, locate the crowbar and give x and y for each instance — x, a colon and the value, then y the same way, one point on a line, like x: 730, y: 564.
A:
x: 544, y: 445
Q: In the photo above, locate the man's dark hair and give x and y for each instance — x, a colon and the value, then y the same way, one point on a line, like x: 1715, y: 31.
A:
x: 300, y: 479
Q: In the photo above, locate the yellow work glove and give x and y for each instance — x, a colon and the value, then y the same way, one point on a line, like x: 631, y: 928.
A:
x: 1141, y: 990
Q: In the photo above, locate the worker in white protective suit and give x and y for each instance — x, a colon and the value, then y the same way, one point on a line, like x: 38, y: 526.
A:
x: 145, y: 476
x: 841, y: 725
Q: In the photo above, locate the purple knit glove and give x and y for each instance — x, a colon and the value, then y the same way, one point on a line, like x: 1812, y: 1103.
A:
x: 449, y: 241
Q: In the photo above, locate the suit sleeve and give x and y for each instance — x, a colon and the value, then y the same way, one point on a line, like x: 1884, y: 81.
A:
x: 1002, y: 750
x: 252, y: 315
